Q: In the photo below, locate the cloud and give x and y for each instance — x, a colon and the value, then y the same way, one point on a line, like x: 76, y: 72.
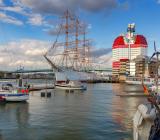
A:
x: 9, y: 19
x: 101, y: 51
x: 36, y: 19
x: 59, y: 6
x: 16, y: 9
x: 158, y: 1
x: 102, y: 57
x: 26, y: 52
x: 32, y: 18
x: 36, y: 11
x: 1, y: 2
x: 35, y: 52
x: 97, y: 5
x: 1, y: 60
x: 29, y: 53
x: 6, y: 12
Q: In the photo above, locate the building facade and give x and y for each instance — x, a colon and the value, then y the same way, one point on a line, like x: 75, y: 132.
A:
x: 152, y: 68
x: 127, y: 47
x: 141, y: 66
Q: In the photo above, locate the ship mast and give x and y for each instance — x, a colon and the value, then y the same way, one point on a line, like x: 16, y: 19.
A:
x: 84, y: 51
x: 65, y: 56
x: 76, y: 56
x: 74, y: 51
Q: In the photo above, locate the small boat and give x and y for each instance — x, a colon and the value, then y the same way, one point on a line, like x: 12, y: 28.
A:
x: 9, y: 93
x: 138, y: 81
x: 63, y: 81
x: 70, y: 85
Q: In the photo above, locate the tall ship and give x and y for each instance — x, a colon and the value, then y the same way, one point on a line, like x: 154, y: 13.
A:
x: 70, y: 57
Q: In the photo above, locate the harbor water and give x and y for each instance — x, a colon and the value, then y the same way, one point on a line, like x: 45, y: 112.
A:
x: 94, y: 114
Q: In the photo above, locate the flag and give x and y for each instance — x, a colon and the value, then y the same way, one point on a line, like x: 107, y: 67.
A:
x: 145, y: 90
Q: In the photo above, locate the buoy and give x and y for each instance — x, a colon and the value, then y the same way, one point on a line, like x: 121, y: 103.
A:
x: 2, y: 99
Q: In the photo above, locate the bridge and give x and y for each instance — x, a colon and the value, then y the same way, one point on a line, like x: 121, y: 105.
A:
x: 51, y: 71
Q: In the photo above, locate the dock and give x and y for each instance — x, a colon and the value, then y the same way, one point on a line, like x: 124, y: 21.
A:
x: 133, y: 95
x: 41, y: 87
x: 101, y: 81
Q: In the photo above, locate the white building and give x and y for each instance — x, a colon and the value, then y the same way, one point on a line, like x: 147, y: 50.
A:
x: 128, y: 47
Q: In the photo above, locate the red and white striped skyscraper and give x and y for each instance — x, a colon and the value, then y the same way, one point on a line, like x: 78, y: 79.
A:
x: 127, y: 47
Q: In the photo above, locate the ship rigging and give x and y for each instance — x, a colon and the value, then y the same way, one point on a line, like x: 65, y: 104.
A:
x: 74, y: 50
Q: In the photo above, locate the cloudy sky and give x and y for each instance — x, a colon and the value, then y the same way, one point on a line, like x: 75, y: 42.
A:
x: 25, y: 26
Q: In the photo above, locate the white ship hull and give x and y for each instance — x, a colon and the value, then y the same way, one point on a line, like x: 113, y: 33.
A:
x: 10, y: 97
x: 19, y: 98
x: 138, y: 81
x: 14, y: 95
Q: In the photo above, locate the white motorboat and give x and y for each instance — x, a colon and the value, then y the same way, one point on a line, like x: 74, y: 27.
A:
x: 68, y: 81
x: 70, y: 85
x: 10, y: 93
x: 138, y: 81
x: 14, y: 95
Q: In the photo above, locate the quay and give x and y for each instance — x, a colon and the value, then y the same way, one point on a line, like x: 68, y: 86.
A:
x: 102, y: 81
x: 41, y: 87
x: 51, y: 86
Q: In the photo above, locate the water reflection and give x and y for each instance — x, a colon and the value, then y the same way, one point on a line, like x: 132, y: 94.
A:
x: 94, y: 114
x: 63, y: 116
x: 13, y: 116
x: 124, y: 108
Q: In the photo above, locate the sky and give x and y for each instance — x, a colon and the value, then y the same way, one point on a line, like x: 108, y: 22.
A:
x: 25, y: 27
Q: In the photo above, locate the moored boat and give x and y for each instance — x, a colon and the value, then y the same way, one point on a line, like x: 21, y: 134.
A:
x: 14, y: 95
x: 9, y: 93
x: 70, y: 85
x: 68, y: 80
x: 138, y: 80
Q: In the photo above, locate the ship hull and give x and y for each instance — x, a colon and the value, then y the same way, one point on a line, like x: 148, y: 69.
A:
x: 138, y: 81
x: 10, y: 97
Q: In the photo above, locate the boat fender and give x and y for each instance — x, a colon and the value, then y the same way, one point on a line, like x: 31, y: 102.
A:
x: 137, y: 120
x: 147, y: 116
x: 138, y: 116
x: 2, y: 98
